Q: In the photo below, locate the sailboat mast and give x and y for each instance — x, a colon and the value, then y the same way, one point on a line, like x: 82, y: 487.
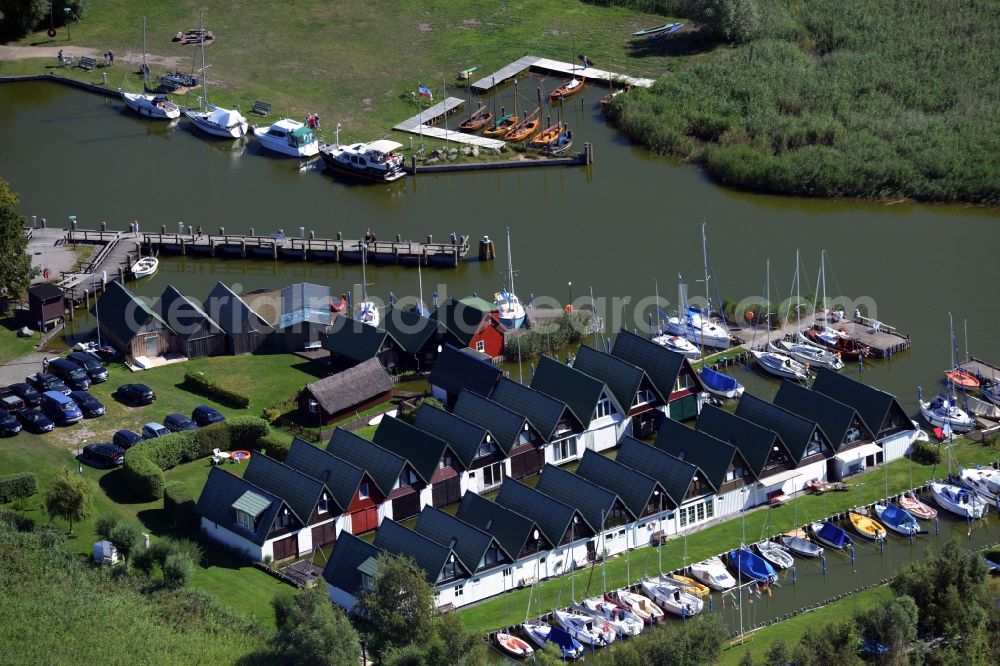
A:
x: 798, y: 294
x: 145, y: 75
x: 420, y: 286
x: 965, y: 323
x: 704, y: 255
x: 822, y: 272
x: 767, y: 299
x: 656, y: 288
x: 204, y: 75
x: 364, y: 278
x: 510, y: 264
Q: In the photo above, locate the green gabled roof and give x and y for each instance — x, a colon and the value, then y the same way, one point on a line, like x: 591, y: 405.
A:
x: 461, y: 321
x: 592, y: 501
x: 543, y: 411
x: 340, y: 476
x: 633, y: 487
x: 478, y: 303
x: 463, y: 437
x: 353, y: 339
x: 421, y: 449
x: 185, y: 317
x: 754, y: 442
x: 794, y: 430
x: 552, y: 516
x: 232, y: 313
x: 124, y: 313
x: 674, y: 475
x: 834, y: 417
x: 470, y: 544
x: 505, y: 425
x: 661, y: 365
x: 251, y: 503
x: 429, y: 556
x: 578, y: 390
x: 300, y: 491
x: 456, y: 370
x: 712, y: 456
x: 384, y: 467
x: 411, y: 330
x: 350, y: 558
x: 874, y: 406
x: 511, y: 529
x: 222, y: 490
x: 622, y: 378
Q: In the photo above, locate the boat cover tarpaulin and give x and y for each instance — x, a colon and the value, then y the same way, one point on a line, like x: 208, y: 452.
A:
x: 225, y: 117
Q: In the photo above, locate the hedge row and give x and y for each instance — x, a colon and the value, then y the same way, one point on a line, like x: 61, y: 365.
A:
x: 17, y: 486
x: 196, y: 382
x: 179, y: 504
x: 274, y: 446
x: 146, y: 461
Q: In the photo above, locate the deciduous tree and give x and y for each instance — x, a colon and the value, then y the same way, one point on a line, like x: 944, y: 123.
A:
x: 400, y: 605
x: 70, y: 497
x: 735, y: 21
x: 311, y: 630
x: 15, y: 262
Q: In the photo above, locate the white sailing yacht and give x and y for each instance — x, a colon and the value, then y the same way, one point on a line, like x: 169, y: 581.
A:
x: 943, y: 411
x: 802, y: 349
x: 507, y: 302
x: 366, y: 311
x: 694, y: 324
x: 773, y: 362
x: 215, y: 120
x: 155, y: 107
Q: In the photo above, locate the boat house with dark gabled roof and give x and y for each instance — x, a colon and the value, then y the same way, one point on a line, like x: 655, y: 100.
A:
x: 349, y: 391
x: 197, y: 334
x: 683, y: 482
x: 642, y: 495
x: 555, y: 422
x: 350, y: 570
x: 243, y: 516
x: 469, y: 325
x: 352, y: 487
x: 305, y: 317
x: 721, y: 463
x: 132, y: 326
x: 601, y: 508
x: 436, y: 463
x: 415, y: 338
x: 456, y: 370
x: 394, y: 477
x: 881, y: 412
x: 513, y: 531
x: 670, y: 373
x: 351, y: 342
x: 851, y: 439
x: 309, y: 498
x: 441, y: 566
x: 484, y: 463
x: 514, y: 435
x: 631, y: 386
x: 589, y: 399
x: 246, y: 331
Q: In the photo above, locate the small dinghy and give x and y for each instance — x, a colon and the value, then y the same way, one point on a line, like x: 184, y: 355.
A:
x: 513, y: 646
x: 713, y: 572
x: 752, y: 566
x: 145, y: 267
x: 897, y: 519
x: 917, y: 508
x: 775, y: 554
x: 962, y: 378
x: 801, y: 547
x: 866, y: 526
x: 831, y: 535
x: 692, y: 586
x: 647, y: 32
x: 719, y: 384
x: 587, y: 630
x: 642, y: 607
x: 540, y: 634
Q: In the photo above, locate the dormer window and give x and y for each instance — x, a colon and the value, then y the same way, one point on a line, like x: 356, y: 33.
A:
x: 364, y: 491
x: 604, y: 408
x: 244, y: 519
x: 446, y: 460
x: 486, y: 448
x: 323, y: 506
x: 642, y: 397
x: 283, y: 520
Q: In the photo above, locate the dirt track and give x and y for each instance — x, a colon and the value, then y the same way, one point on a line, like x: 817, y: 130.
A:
x: 25, y: 52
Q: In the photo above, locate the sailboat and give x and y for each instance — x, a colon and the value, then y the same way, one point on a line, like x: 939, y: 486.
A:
x: 943, y: 411
x: 719, y: 384
x: 527, y: 126
x: 752, y: 565
x: 834, y: 339
x: 215, y: 120
x: 800, y: 546
x: 984, y: 482
x: 541, y: 633
x: 695, y: 325
x: 915, y: 507
x: 507, y: 302
x: 803, y: 350
x: 154, y: 107
x: 584, y: 628
x: 678, y: 345
x: 477, y: 120
x: 960, y: 501
x: 775, y: 362
x: 623, y: 622
x: 866, y: 526
x: 642, y: 606
x: 366, y: 311
x: 831, y: 535
x: 775, y: 554
x: 897, y: 519
x: 991, y: 392
x: 672, y: 597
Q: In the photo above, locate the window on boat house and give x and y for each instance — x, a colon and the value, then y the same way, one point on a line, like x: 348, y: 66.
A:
x: 816, y: 444
x: 684, y: 381
x: 480, y: 346
x: 853, y: 435
x: 564, y: 449
x: 460, y: 589
x: 367, y: 582
x: 283, y: 520
x: 604, y: 408
x: 486, y: 448
x: 735, y: 473
x: 642, y: 397
x: 493, y: 475
x: 492, y: 556
x: 323, y: 506
x: 450, y: 571
x: 313, y: 406
x: 446, y: 460
x: 407, y: 478
x: 364, y: 490
x: 244, y: 519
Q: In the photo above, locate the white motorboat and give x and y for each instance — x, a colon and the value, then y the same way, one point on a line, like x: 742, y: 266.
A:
x: 643, y: 607
x: 960, y: 501
x: 672, y: 597
x: 155, y: 107
x: 379, y: 161
x: 807, y: 353
x: 623, y: 621
x: 588, y: 630
x: 943, y: 412
x: 775, y: 554
x: 781, y: 365
x: 288, y: 137
x: 713, y: 572
x: 985, y: 483
x: 145, y: 267
x: 801, y: 547
x: 719, y: 384
x: 366, y: 311
x: 214, y: 120
x: 507, y: 302
x: 678, y: 344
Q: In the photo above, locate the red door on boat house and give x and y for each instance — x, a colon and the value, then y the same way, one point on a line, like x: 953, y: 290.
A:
x: 363, y: 509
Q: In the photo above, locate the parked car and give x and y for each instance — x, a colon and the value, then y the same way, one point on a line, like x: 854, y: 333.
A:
x: 176, y: 422
x: 35, y: 421
x: 204, y: 415
x: 126, y: 439
x: 45, y: 381
x: 73, y: 375
x: 27, y: 393
x: 137, y: 394
x: 107, y: 455
x: 91, y: 363
x: 9, y: 425
x: 60, y: 408
x: 88, y: 404
x: 153, y: 430
x: 10, y: 402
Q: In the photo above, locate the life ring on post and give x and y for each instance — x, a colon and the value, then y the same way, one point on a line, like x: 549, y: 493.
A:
x: 52, y: 32
x: 46, y: 273
x: 749, y: 315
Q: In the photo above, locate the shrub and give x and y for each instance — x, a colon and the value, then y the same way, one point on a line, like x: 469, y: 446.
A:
x: 179, y: 504
x: 925, y: 453
x: 142, y: 476
x: 246, y: 431
x: 17, y: 486
x: 15, y: 521
x: 177, y: 570
x: 197, y: 382
x: 274, y: 445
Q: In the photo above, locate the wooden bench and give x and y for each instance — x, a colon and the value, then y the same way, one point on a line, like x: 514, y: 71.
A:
x: 87, y: 63
x: 261, y: 108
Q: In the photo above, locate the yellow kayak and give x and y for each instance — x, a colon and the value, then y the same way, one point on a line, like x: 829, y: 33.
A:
x: 691, y: 585
x: 867, y: 527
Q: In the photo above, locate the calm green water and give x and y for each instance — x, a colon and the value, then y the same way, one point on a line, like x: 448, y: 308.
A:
x: 629, y: 220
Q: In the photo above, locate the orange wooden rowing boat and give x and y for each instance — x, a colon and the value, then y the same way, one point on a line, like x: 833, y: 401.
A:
x: 548, y: 136
x: 525, y: 128
x: 962, y: 377
x: 479, y: 119
x: 568, y: 89
x: 501, y: 126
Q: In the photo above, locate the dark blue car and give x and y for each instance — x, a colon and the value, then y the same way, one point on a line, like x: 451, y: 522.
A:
x: 26, y: 392
x: 204, y: 415
x: 88, y: 404
x: 35, y: 421
x: 126, y: 439
x: 9, y: 425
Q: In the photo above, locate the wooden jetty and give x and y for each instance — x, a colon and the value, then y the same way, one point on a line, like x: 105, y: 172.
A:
x: 981, y: 369
x: 529, y: 62
x: 883, y: 340
x: 109, y: 264
x: 423, y: 123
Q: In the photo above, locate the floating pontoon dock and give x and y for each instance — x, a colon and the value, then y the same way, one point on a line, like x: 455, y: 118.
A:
x: 421, y: 124
x: 529, y: 62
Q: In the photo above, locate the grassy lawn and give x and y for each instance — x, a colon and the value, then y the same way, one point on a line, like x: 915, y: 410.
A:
x: 11, y: 346
x: 354, y: 63
x: 867, y: 488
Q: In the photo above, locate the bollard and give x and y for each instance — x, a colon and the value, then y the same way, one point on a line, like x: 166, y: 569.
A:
x: 312, y: 234
x: 399, y: 237
x: 794, y: 576
x: 302, y: 232
x: 937, y: 526
x: 881, y: 546
x: 104, y: 79
x: 852, y: 553
x: 34, y: 221
x: 822, y: 559
x: 222, y: 231
x: 253, y: 231
x: 340, y: 235
x: 430, y: 238
x: 709, y: 603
